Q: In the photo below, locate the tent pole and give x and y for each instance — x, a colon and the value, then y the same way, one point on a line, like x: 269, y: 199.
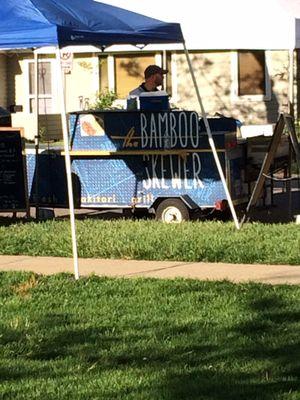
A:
x: 67, y: 162
x: 36, y: 136
x: 210, y: 139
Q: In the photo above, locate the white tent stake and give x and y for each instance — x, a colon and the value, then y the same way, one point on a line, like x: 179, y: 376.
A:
x: 211, y: 140
x: 67, y: 162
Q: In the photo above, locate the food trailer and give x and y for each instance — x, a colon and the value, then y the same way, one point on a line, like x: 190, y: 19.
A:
x: 159, y: 161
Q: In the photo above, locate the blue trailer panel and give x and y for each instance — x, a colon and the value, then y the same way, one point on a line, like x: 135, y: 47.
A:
x: 133, y: 159
x: 139, y: 180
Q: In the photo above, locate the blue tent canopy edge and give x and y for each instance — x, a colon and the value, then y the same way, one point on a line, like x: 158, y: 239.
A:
x: 37, y: 23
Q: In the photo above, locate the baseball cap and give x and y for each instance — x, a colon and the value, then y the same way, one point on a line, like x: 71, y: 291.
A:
x: 154, y: 69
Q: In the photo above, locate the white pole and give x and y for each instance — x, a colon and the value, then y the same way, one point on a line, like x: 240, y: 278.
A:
x: 211, y: 140
x: 36, y: 136
x: 67, y: 161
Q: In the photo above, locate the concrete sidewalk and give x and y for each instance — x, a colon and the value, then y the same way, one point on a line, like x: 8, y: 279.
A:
x: 273, y: 274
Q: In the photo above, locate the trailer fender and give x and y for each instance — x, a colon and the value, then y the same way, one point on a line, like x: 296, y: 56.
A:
x: 185, y: 199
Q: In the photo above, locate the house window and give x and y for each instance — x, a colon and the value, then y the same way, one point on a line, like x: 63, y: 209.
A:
x: 129, y: 72
x: 124, y: 72
x: 251, y: 73
x: 45, y: 87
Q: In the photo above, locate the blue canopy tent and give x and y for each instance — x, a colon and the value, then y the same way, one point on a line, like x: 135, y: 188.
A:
x: 38, y: 23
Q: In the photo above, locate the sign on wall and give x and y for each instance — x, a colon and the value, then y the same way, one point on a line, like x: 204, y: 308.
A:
x: 66, y: 60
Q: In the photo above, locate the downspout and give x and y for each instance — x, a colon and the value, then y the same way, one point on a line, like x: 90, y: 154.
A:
x: 291, y: 109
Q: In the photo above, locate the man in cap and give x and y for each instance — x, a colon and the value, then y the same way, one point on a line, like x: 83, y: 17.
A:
x: 153, y: 78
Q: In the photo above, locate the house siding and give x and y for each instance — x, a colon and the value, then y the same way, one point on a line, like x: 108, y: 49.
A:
x: 16, y: 93
x: 213, y: 71
x: 82, y: 82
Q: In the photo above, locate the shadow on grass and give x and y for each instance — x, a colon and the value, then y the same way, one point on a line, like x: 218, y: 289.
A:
x: 268, y: 340
x: 183, y: 351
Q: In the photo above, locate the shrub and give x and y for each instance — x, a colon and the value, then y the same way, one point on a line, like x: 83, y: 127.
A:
x: 104, y: 100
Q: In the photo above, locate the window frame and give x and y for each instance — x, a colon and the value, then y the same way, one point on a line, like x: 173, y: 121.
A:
x: 158, y: 57
x: 235, y: 80
x: 53, y: 96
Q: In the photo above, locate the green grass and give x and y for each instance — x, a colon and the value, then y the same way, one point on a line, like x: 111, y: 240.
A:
x: 100, y: 338
x: 145, y: 239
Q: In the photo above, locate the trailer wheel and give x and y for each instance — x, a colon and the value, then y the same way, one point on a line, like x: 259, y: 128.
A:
x: 172, y: 211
